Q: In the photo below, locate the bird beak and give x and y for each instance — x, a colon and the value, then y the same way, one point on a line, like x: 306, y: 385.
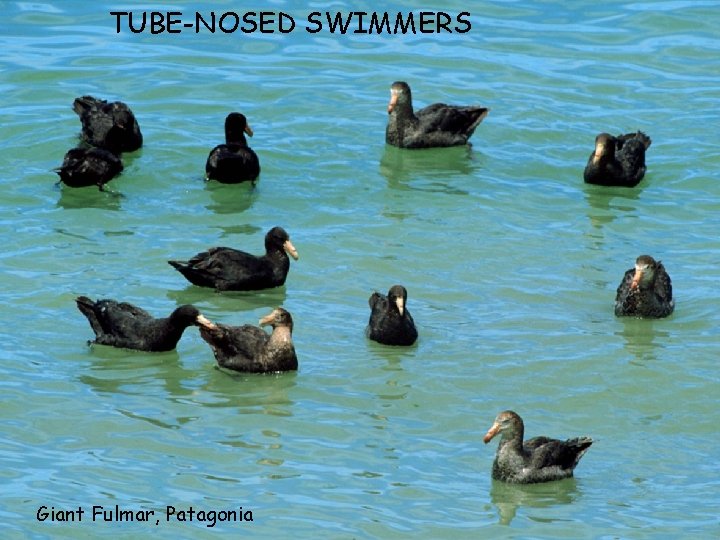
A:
x: 393, y: 101
x: 636, y: 279
x: 205, y: 322
x: 599, y: 152
x: 248, y: 130
x: 287, y: 246
x: 267, y: 319
x: 494, y: 430
x: 400, y: 303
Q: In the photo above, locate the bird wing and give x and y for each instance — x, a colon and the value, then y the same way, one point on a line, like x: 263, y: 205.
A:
x: 96, y: 125
x: 623, y: 291
x: 121, y: 319
x: 450, y: 118
x: 546, y: 452
x: 236, y: 347
x: 218, y: 260
x: 377, y: 301
x: 663, y: 284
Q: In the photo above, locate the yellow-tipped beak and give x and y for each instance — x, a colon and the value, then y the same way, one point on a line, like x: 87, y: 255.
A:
x: 400, y: 303
x: 287, y: 246
x: 205, y: 322
x: 393, y: 101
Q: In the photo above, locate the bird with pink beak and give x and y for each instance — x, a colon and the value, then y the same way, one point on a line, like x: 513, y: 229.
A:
x: 540, y: 459
x: 645, y: 290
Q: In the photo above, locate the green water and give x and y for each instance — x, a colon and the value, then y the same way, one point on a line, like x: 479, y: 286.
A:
x: 511, y: 264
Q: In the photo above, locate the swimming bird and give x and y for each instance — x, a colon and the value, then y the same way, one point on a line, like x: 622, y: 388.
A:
x: 228, y: 269
x: 540, y: 459
x: 249, y: 348
x: 89, y: 167
x: 390, y: 321
x: 645, y: 291
x: 433, y: 126
x: 124, y: 325
x: 108, y: 125
x: 617, y: 161
x: 234, y: 161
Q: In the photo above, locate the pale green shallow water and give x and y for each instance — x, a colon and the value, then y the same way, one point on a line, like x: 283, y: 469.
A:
x: 511, y: 263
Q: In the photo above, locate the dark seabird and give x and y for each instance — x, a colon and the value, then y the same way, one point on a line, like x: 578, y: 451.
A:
x: 540, y: 459
x: 228, y: 269
x: 120, y: 324
x: 434, y: 126
x: 249, y: 348
x: 84, y: 167
x: 234, y: 161
x: 645, y: 291
x: 617, y: 161
x: 390, y: 321
x: 108, y: 125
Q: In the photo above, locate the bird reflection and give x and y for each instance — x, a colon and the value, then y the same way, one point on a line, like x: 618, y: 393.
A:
x: 427, y: 169
x: 508, y: 498
x: 74, y: 198
x: 640, y: 338
x: 231, y: 198
x: 604, y: 203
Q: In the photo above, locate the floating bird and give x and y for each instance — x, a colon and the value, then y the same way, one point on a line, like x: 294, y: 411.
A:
x: 228, y: 269
x: 540, y: 459
x: 234, y: 161
x: 89, y: 167
x: 390, y: 321
x: 617, y: 161
x: 435, y: 125
x: 124, y: 325
x: 108, y: 125
x: 249, y: 348
x: 645, y: 291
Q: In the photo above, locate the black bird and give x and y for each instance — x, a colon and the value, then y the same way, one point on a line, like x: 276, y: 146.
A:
x: 540, y: 459
x: 124, y: 325
x: 108, y: 125
x: 645, y: 291
x: 234, y: 161
x: 89, y: 167
x: 390, y: 321
x: 228, y: 269
x: 617, y: 161
x: 433, y: 126
x: 249, y: 348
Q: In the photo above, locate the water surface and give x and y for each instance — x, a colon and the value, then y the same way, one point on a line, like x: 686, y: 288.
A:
x: 511, y: 264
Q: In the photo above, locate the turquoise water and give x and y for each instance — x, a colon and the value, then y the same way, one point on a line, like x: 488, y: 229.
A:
x: 511, y: 264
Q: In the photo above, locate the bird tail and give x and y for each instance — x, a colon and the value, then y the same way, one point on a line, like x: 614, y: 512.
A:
x: 580, y: 445
x: 643, y: 138
x: 85, y: 103
x: 193, y: 275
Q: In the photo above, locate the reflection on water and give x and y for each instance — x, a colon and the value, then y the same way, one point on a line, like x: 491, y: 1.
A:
x: 229, y: 303
x: 245, y: 230
x: 508, y: 498
x: 641, y: 339
x: 402, y: 167
x: 90, y: 197
x: 231, y: 198
x: 602, y: 211
x: 120, y: 371
x: 514, y: 258
x: 249, y: 393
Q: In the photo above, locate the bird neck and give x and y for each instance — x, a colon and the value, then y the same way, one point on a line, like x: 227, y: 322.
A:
x: 281, y: 336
